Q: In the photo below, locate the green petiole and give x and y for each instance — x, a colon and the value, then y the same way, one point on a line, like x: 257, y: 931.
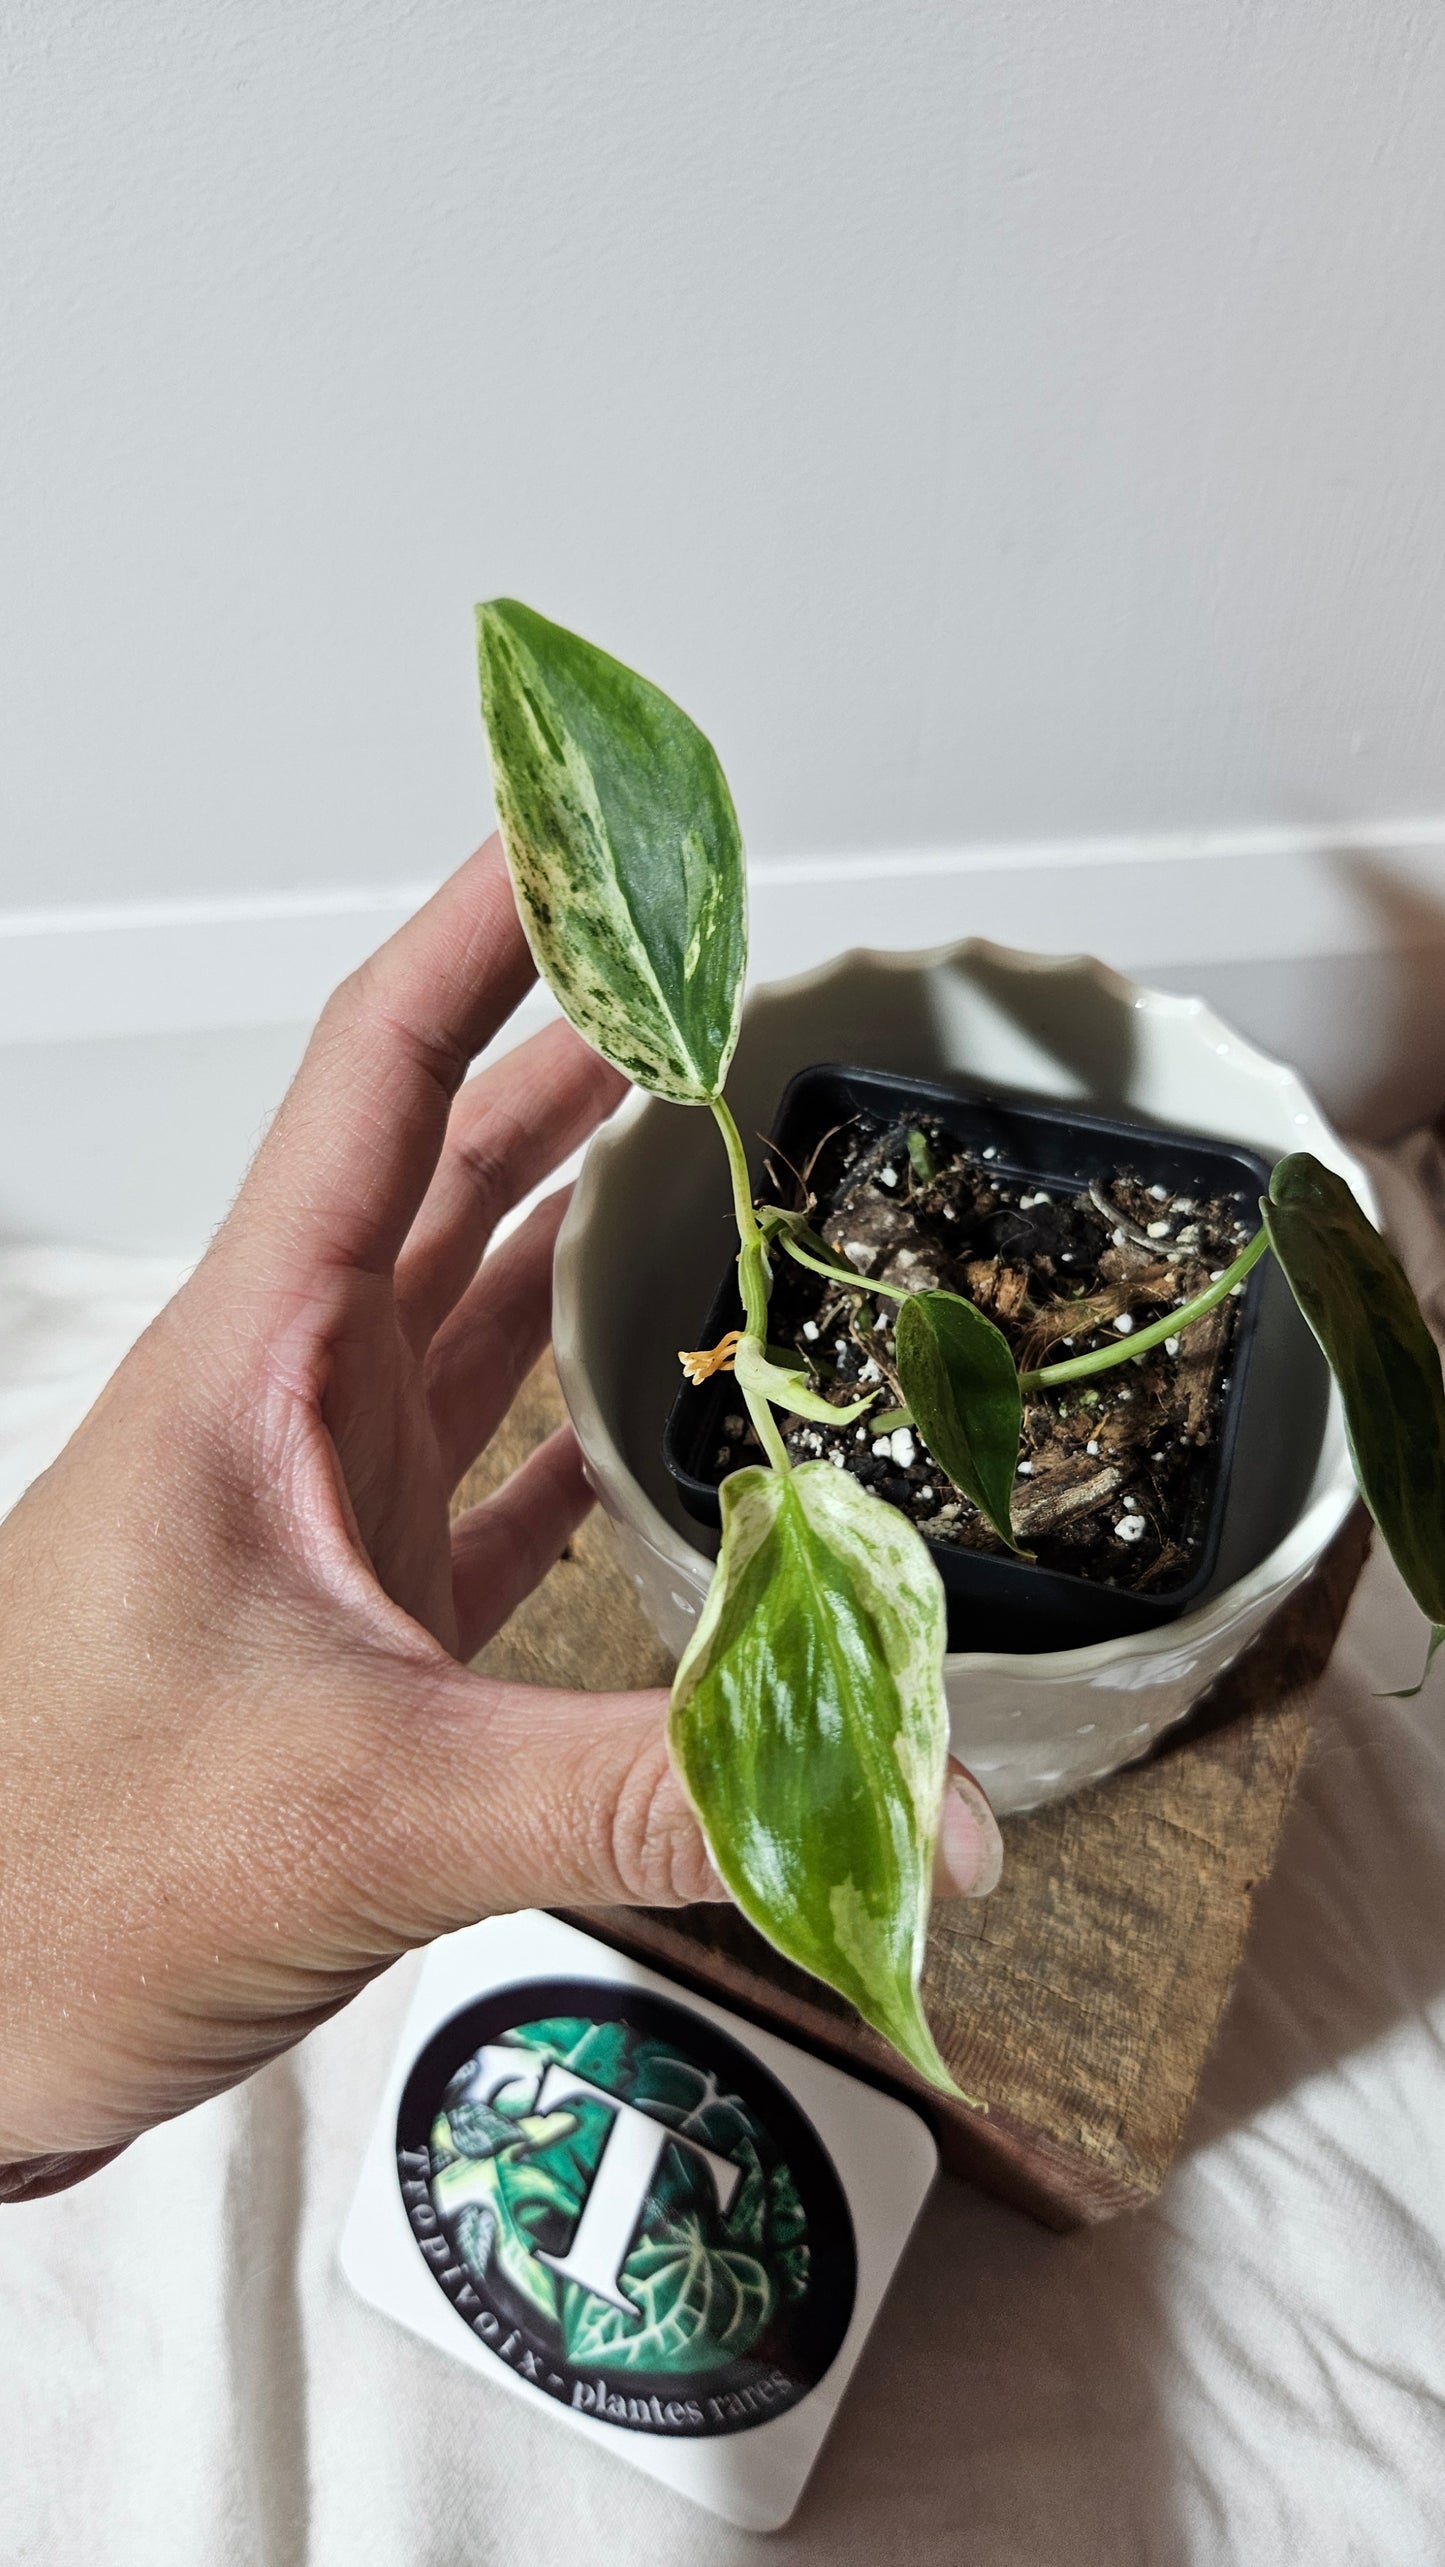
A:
x: 1076, y: 1367
x: 844, y: 1274
x: 1139, y: 1340
x: 754, y: 1281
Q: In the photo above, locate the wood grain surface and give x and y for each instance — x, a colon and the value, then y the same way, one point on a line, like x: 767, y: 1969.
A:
x: 1079, y: 2001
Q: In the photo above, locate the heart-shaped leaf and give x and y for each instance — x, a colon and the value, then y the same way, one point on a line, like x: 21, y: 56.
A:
x: 623, y: 848
x: 959, y: 1377
x: 1357, y: 1298
x: 810, y: 1730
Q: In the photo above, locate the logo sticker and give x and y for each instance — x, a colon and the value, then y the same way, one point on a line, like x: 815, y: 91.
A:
x: 626, y: 2207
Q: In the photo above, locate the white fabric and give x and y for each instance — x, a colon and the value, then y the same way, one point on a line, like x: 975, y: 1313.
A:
x: 1253, y: 2370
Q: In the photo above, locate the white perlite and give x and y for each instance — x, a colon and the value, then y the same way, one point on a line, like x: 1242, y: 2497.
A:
x: 1125, y: 1323
x: 1129, y: 1527
x: 902, y: 1448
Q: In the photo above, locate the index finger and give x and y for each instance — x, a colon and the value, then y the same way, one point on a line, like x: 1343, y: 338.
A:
x: 343, y: 1170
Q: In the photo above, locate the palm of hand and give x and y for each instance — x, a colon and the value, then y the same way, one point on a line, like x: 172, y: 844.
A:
x: 241, y: 1704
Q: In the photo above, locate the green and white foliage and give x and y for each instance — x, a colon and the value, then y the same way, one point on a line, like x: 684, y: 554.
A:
x: 624, y: 849
x: 810, y: 1729
x: 701, y: 2285
x: 808, y: 1720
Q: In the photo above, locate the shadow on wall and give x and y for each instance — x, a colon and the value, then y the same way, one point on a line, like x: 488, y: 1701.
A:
x: 1406, y: 1042
x: 1366, y: 1024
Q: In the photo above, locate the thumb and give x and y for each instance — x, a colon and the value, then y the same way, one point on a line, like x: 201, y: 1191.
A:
x: 539, y: 1798
x: 523, y: 1796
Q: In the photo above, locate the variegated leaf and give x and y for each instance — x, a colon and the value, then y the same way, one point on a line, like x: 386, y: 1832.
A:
x: 624, y: 850
x: 810, y: 1730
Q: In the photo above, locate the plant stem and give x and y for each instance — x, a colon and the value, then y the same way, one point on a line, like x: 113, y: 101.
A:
x: 848, y: 1275
x: 1140, y: 1340
x: 753, y: 1277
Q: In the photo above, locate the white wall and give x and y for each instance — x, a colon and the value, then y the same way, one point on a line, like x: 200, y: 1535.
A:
x: 993, y: 418
x: 1006, y: 424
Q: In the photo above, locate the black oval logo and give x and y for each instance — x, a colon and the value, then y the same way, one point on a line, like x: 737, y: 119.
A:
x: 626, y: 2207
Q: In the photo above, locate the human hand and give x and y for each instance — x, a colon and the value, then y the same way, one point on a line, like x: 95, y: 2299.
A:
x: 243, y: 1763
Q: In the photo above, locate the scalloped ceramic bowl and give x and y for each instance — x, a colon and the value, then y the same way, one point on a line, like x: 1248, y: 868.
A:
x: 648, y: 1230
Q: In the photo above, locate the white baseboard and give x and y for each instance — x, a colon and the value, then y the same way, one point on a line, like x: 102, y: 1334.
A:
x: 142, y: 1046
x: 198, y: 966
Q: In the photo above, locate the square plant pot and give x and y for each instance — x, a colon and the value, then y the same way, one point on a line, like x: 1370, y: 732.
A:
x: 650, y: 1229
x: 1036, y: 1152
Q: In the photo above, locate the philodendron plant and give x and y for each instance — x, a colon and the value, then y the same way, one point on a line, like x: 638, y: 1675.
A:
x: 808, y: 1718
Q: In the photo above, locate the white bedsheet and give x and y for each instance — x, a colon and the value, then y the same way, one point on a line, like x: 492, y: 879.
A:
x: 1253, y: 2370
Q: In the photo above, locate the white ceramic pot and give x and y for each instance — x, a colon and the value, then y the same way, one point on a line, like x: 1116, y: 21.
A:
x: 649, y: 1232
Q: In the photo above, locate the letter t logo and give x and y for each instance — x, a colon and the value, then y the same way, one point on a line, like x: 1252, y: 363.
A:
x: 614, y: 2205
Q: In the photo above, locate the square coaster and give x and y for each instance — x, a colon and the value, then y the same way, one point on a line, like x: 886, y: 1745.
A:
x: 664, y: 2227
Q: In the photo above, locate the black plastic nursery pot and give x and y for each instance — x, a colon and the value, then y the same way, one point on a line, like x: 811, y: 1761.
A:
x: 997, y: 1601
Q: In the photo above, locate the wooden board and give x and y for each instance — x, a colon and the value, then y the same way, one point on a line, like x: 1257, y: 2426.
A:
x: 1081, y: 1999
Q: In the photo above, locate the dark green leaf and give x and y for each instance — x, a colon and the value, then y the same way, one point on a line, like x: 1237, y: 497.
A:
x: 1356, y: 1296
x: 810, y: 1729
x: 959, y: 1378
x: 624, y: 851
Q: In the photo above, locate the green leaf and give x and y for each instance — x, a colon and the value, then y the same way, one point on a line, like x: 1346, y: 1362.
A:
x: 921, y: 1157
x: 624, y: 851
x: 1356, y: 1296
x: 513, y: 2195
x: 810, y: 1730
x: 476, y: 2235
x: 699, y: 2303
x: 959, y: 1378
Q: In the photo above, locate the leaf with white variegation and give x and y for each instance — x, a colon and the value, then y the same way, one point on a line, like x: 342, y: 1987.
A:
x: 623, y: 848
x: 810, y: 1730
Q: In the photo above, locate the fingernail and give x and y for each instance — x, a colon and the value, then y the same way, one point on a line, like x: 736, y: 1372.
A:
x: 970, y: 1847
